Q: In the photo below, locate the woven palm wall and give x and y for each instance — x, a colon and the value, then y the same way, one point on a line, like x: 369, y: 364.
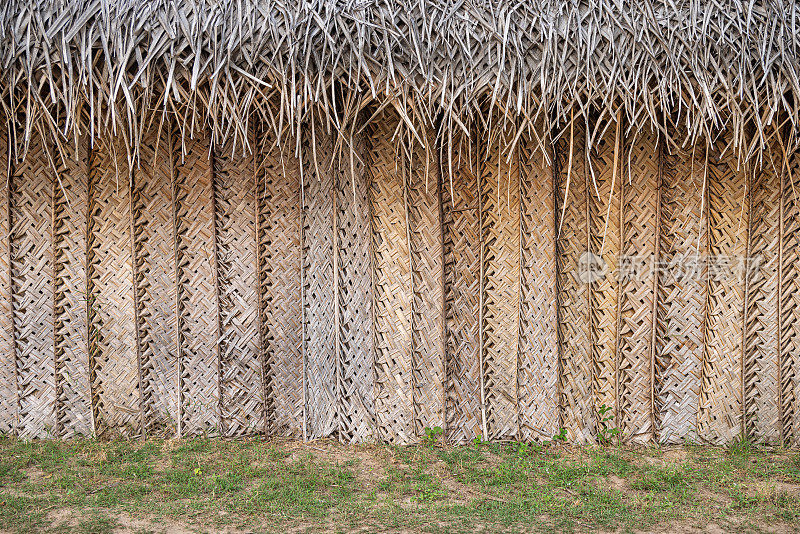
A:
x: 397, y: 285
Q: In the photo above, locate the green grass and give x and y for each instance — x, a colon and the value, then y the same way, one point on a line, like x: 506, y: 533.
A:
x: 94, y: 487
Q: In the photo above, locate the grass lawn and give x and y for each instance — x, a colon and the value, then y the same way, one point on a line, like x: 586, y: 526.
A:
x: 259, y: 486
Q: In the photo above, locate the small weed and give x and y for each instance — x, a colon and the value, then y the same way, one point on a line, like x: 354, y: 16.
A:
x: 561, y: 436
x: 432, y: 435
x: 606, y: 433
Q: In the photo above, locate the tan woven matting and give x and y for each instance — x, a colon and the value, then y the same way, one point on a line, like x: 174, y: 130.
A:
x: 8, y: 383
x: 762, y: 349
x: 789, y: 301
x: 427, y: 320
x: 279, y: 227
x: 388, y: 194
x: 575, y: 379
x: 720, y: 416
x: 413, y: 282
x: 70, y: 195
x: 681, y: 296
x: 354, y: 258
x: 154, y: 230
x: 500, y: 241
x: 605, y: 232
x: 461, y: 232
x: 241, y: 367
x: 32, y: 290
x: 320, y: 303
x: 538, y: 353
x: 637, y: 278
x: 197, y: 296
x: 112, y: 331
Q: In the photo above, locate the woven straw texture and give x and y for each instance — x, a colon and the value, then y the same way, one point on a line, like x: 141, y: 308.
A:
x: 197, y: 298
x: 240, y: 361
x: 427, y: 320
x: 368, y: 285
x: 32, y: 292
x: 500, y: 242
x: 279, y: 233
x: 113, y: 341
x: 640, y: 215
x: 462, y: 254
x: 320, y: 285
x: 392, y: 277
x: 682, y: 294
x: 538, y: 351
x: 8, y: 382
x: 157, y: 290
x: 73, y: 405
x: 575, y: 358
x: 721, y: 407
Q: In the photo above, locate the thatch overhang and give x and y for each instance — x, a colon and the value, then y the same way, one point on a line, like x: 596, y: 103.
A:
x: 700, y: 66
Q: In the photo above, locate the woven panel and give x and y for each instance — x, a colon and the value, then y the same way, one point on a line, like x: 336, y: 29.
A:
x: 501, y: 241
x: 356, y: 338
x: 789, y: 300
x: 8, y: 384
x: 241, y: 384
x: 681, y: 297
x: 605, y: 192
x: 640, y: 227
x: 113, y: 359
x: 392, y: 297
x: 425, y: 239
x: 319, y: 288
x: 538, y: 354
x: 461, y: 231
x: 761, y: 365
x: 720, y: 417
x: 575, y: 380
x: 32, y: 288
x: 197, y: 302
x: 70, y: 190
x: 154, y: 235
x: 279, y: 250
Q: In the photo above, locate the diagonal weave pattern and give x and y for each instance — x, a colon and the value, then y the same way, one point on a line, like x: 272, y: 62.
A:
x: 680, y: 319
x: 32, y: 292
x: 356, y: 374
x: 70, y: 190
x: 378, y: 293
x: 113, y: 354
x: 500, y: 239
x: 394, y: 408
x: 8, y: 381
x: 155, y: 256
x: 196, y: 299
x: 605, y: 192
x: 575, y: 367
x: 461, y: 230
x: 637, y: 279
x: 427, y: 320
x: 720, y: 416
x: 538, y: 353
x: 789, y: 302
x: 319, y: 291
x: 761, y: 357
x: 278, y: 200
x: 240, y: 357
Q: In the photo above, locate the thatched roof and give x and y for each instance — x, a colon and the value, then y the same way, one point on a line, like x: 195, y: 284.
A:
x: 702, y: 65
